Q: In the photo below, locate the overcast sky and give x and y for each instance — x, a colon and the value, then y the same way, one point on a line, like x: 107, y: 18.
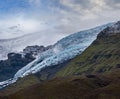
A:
x: 19, y: 17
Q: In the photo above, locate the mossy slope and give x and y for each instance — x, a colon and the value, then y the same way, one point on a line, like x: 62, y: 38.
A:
x: 73, y: 87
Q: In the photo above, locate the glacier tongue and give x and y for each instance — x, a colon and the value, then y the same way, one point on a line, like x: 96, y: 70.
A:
x: 50, y: 61
x: 7, y: 82
x: 65, y: 49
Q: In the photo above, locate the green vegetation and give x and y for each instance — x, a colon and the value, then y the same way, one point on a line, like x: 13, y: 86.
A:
x: 73, y: 87
x: 20, y: 84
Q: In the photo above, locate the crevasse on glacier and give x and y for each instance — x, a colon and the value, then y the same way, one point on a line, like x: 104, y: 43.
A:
x: 65, y: 49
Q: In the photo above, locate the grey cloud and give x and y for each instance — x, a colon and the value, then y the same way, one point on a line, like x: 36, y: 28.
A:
x: 76, y: 6
x: 69, y: 16
x: 113, y: 3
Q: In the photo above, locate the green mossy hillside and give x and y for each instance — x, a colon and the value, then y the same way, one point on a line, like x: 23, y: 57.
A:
x: 73, y: 87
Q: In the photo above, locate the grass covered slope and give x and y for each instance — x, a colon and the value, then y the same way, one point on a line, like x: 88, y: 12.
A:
x: 22, y: 83
x: 103, y: 55
x: 73, y: 87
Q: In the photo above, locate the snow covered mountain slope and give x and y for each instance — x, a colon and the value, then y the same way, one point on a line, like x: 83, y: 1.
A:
x: 19, y: 43
x: 65, y: 49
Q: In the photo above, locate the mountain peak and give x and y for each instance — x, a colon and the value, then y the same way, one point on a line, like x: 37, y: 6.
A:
x: 111, y: 30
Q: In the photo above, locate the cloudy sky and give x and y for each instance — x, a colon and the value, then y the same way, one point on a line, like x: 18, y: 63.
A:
x: 20, y: 17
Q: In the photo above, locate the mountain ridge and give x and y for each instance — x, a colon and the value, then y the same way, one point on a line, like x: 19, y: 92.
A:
x: 17, y: 44
x: 93, y: 74
x: 83, y: 40
x: 52, y: 56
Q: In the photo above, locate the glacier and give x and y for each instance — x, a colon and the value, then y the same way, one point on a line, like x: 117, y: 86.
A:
x: 65, y: 49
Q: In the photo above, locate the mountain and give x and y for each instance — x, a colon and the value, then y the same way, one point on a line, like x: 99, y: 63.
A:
x: 63, y: 50
x: 102, y: 56
x: 18, y: 43
x: 94, y: 74
x: 16, y: 61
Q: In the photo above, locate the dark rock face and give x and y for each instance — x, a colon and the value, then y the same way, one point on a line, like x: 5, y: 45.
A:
x: 35, y: 50
x: 14, y: 62
x: 112, y: 30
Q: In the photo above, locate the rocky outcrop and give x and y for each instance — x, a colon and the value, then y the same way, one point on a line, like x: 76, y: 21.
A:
x: 35, y: 50
x: 109, y: 31
x: 14, y: 62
